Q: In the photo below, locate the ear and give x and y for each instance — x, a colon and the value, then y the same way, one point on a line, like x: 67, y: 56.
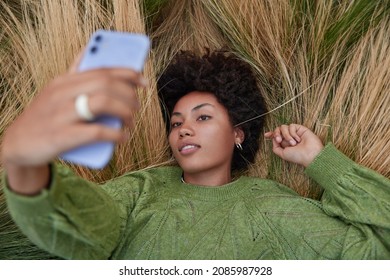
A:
x: 239, y: 135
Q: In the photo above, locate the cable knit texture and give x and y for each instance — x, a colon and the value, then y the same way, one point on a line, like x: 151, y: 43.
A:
x: 153, y: 215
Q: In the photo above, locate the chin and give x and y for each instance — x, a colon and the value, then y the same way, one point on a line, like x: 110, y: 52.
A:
x: 198, y: 167
x: 192, y: 167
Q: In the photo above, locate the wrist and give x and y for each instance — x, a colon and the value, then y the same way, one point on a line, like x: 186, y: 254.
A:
x: 329, y: 166
x: 312, y: 155
x: 27, y: 180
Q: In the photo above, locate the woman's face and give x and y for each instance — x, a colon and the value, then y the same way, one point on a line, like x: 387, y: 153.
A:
x: 202, y: 137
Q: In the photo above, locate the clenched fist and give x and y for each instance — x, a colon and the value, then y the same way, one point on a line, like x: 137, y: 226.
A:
x: 295, y: 143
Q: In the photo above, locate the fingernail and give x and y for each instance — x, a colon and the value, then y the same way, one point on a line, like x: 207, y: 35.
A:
x: 144, y: 81
x: 137, y: 105
x: 293, y: 142
x: 278, y: 139
x: 125, y: 137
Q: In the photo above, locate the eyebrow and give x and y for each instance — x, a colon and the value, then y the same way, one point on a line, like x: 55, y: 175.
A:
x: 197, y: 107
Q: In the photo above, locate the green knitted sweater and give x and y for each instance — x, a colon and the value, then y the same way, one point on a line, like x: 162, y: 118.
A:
x: 153, y: 215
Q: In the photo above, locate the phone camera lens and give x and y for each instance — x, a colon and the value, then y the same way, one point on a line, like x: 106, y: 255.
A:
x: 94, y: 49
x: 98, y: 38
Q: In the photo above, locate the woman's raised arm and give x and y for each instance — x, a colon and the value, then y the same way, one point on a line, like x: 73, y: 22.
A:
x: 50, y: 125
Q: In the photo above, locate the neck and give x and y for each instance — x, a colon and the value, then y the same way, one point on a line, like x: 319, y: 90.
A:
x: 208, y: 178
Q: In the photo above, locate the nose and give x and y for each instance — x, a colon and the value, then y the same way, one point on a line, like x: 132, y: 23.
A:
x: 185, y: 131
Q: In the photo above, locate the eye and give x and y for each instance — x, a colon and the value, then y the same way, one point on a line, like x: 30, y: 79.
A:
x: 204, y: 118
x: 175, y: 124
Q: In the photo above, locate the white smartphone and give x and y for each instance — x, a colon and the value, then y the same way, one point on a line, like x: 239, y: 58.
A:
x: 108, y: 49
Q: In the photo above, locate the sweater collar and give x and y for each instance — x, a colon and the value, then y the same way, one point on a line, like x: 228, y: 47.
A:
x: 224, y: 192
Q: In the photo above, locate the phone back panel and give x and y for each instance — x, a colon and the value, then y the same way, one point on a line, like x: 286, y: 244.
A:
x: 108, y: 49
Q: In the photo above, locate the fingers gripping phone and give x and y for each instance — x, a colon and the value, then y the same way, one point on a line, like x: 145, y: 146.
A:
x: 108, y: 49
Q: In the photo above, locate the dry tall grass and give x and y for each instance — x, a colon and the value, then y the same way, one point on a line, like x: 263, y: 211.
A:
x: 318, y: 59
x: 42, y: 45
x: 324, y: 64
x: 39, y: 41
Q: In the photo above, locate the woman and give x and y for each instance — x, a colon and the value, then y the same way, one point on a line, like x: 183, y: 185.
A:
x: 196, y: 211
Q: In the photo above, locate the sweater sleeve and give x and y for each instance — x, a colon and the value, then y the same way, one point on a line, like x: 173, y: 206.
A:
x: 358, y: 196
x: 73, y: 219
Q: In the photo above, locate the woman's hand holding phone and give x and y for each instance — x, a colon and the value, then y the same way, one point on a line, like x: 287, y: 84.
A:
x: 105, y: 49
x: 50, y: 125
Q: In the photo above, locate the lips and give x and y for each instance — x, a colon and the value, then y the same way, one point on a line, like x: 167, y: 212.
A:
x: 188, y: 148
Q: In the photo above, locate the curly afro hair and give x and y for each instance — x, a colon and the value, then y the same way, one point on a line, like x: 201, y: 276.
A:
x: 233, y: 83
